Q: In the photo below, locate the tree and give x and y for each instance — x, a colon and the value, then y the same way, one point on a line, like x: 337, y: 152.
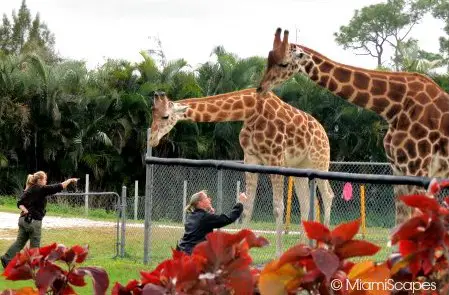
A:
x: 441, y: 11
x: 377, y: 26
x: 413, y: 59
x: 26, y: 35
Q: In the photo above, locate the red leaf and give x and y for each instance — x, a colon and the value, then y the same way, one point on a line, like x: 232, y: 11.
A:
x: 294, y: 254
x: 407, y: 247
x: 68, y: 256
x: 81, y: 253
x: 311, y: 276
x: 415, y: 265
x: 241, y: 282
x: 254, y: 241
x: 76, y: 279
x: 68, y: 290
x: 120, y: 290
x: 44, y: 251
x: 151, y: 289
x: 353, y: 248
x: 316, y: 231
x: 327, y: 262
x: 434, y: 187
x: 99, y: 276
x: 16, y: 270
x: 46, y: 275
x: 345, y: 232
x: 421, y: 202
x: 410, y: 228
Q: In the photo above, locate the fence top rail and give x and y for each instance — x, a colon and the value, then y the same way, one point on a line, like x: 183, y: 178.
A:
x: 336, y: 163
x: 309, y: 173
x: 86, y: 193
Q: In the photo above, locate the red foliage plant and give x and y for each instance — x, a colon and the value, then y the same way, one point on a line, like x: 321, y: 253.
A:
x: 222, y: 264
x: 43, y: 266
x: 219, y: 265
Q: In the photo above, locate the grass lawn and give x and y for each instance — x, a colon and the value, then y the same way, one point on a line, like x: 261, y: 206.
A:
x: 102, y: 243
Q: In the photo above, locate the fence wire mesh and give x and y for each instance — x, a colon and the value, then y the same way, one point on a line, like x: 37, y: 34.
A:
x: 72, y: 219
x: 172, y: 186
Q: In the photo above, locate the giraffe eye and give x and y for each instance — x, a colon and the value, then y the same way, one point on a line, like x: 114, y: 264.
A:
x: 283, y: 65
x: 301, y: 55
x: 165, y: 117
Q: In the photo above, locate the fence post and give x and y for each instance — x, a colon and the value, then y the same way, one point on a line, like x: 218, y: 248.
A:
x: 136, y: 198
x: 237, y: 193
x: 184, y: 201
x: 122, y: 247
x: 312, y: 187
x: 86, y: 197
x: 148, y: 204
x: 219, y: 191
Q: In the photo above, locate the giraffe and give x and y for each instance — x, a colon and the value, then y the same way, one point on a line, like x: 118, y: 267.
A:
x: 273, y: 133
x: 414, y: 106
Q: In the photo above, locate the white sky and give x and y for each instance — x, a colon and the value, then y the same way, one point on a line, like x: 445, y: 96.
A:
x: 93, y: 30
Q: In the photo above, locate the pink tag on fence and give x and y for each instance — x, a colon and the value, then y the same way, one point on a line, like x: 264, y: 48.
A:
x: 347, y: 191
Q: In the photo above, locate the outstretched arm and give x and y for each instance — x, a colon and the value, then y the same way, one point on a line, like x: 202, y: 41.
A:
x: 218, y: 221
x: 56, y: 188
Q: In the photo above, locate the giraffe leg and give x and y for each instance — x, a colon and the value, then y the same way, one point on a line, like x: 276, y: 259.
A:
x: 327, y: 195
x: 303, y: 195
x: 250, y: 190
x: 278, y: 208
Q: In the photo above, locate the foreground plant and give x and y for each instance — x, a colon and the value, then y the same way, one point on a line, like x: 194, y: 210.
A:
x: 220, y: 265
x: 43, y: 266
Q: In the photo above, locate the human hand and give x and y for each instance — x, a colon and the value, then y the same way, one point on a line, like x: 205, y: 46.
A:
x: 211, y: 210
x: 24, y: 211
x: 242, y: 197
x: 74, y: 179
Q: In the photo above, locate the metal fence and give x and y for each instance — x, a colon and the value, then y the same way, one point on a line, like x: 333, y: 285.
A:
x: 171, y: 186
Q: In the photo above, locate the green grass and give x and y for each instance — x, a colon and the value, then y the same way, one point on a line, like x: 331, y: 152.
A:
x: 102, y: 242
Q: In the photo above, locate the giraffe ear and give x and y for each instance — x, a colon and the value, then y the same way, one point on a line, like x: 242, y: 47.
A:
x: 179, y: 108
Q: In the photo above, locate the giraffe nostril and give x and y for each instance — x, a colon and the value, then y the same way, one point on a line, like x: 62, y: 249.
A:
x: 259, y: 89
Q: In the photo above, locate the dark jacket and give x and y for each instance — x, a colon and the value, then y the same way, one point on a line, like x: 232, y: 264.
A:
x: 199, y: 223
x: 35, y: 199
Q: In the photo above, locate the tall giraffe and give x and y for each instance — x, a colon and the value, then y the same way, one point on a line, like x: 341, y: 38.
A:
x: 273, y: 133
x: 414, y: 106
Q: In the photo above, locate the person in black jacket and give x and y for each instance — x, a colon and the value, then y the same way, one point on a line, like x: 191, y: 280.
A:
x: 201, y: 220
x: 32, y: 204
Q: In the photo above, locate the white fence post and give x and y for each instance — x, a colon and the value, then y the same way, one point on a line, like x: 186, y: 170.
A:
x: 237, y: 193
x: 86, y: 196
x: 136, y: 198
x: 184, y: 202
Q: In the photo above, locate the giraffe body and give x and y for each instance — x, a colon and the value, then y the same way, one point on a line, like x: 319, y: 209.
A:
x: 273, y: 133
x: 415, y: 107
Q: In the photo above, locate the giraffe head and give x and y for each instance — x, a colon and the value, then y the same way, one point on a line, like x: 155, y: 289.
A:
x: 165, y: 116
x: 284, y: 61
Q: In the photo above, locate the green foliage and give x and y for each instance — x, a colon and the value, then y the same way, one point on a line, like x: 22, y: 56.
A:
x: 25, y: 35
x: 376, y: 26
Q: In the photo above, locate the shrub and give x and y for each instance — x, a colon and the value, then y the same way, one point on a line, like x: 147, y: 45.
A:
x: 222, y: 264
x: 43, y: 266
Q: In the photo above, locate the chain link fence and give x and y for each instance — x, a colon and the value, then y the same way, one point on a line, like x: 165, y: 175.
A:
x: 72, y: 218
x: 173, y: 185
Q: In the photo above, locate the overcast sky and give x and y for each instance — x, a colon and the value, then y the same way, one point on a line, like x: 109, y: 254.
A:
x: 93, y: 30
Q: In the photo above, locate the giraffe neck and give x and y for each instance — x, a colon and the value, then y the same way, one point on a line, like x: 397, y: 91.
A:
x: 233, y: 106
x: 378, y: 91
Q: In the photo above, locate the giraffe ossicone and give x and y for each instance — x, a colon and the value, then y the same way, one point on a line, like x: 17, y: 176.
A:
x: 273, y: 133
x: 414, y: 106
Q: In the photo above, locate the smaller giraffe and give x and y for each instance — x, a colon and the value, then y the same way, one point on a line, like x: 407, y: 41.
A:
x: 414, y: 106
x: 273, y: 133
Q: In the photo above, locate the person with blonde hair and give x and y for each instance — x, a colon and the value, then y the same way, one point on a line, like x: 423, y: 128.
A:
x: 32, y: 204
x: 201, y: 220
